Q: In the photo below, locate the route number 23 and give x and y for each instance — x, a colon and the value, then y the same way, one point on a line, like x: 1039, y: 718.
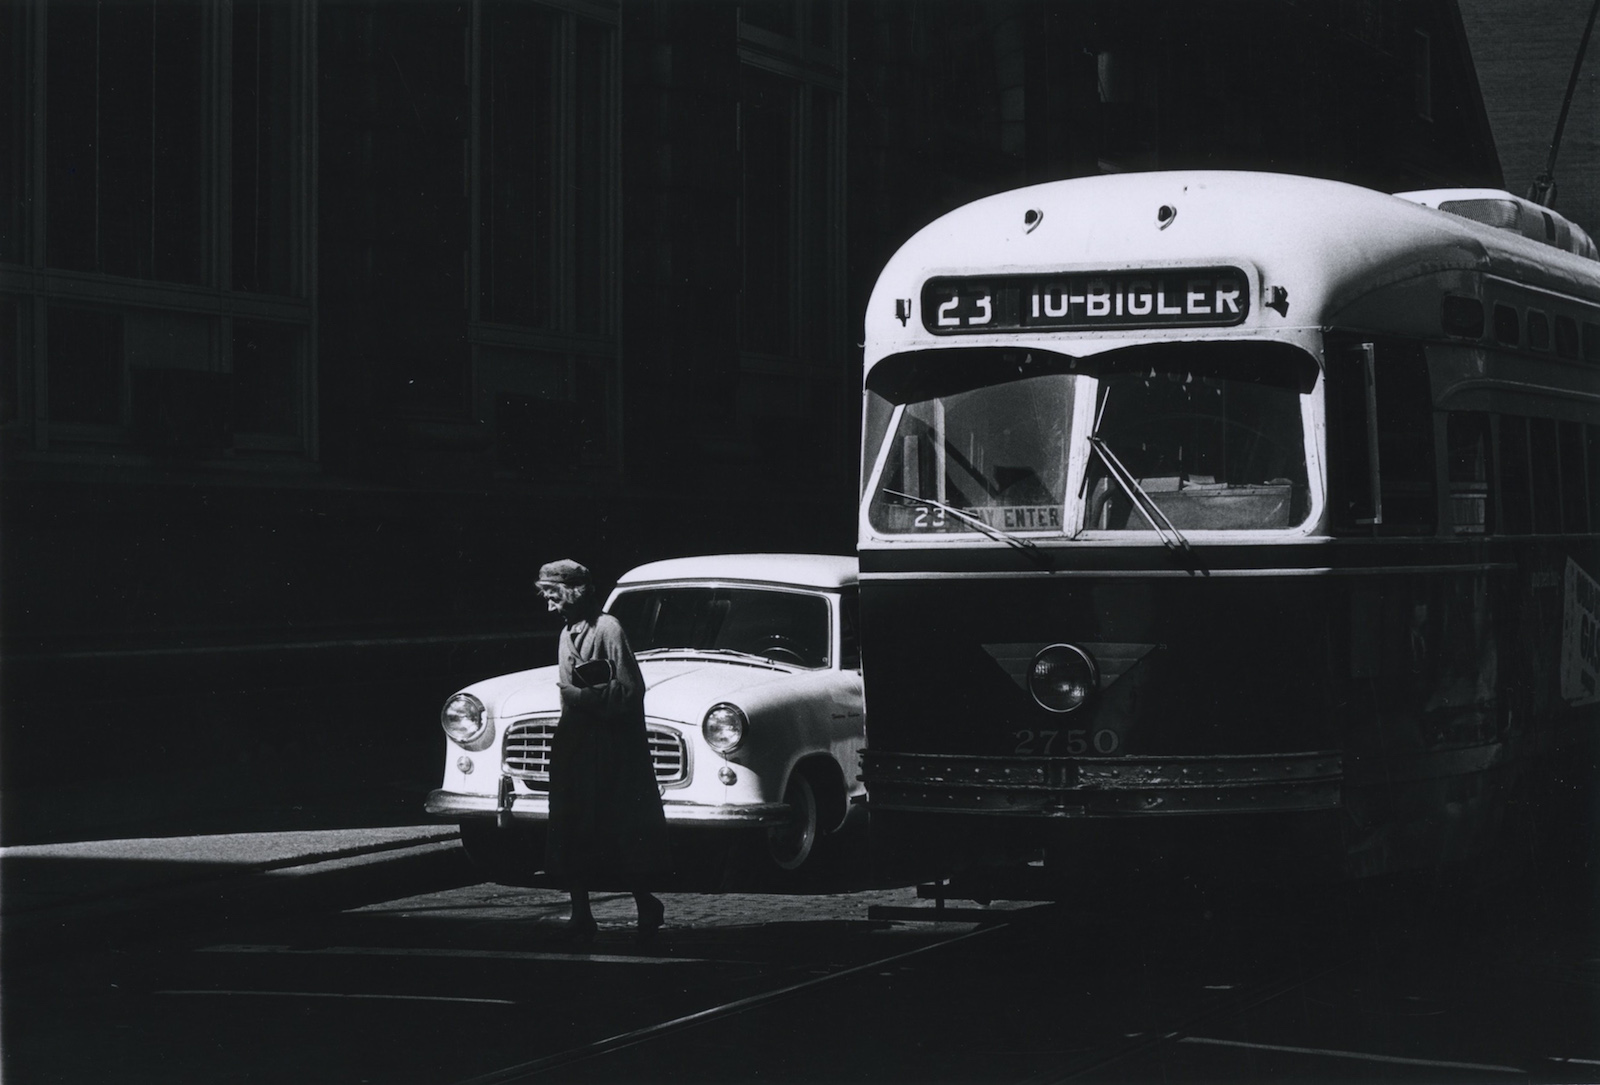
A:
x: 948, y: 317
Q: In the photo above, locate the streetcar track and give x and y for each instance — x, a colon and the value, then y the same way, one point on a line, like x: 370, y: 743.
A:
x: 1244, y: 999
x: 208, y: 992
x: 464, y: 954
x: 1359, y: 1056
x: 1247, y: 998
x: 533, y: 1067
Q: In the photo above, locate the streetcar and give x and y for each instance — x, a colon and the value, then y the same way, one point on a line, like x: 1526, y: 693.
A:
x: 1231, y: 519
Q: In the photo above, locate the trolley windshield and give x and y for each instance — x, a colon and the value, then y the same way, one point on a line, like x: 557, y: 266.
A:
x: 1185, y: 436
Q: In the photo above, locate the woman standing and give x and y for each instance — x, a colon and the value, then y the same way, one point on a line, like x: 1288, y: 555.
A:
x: 606, y: 820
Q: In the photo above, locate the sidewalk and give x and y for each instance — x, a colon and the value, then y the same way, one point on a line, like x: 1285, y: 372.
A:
x: 100, y: 888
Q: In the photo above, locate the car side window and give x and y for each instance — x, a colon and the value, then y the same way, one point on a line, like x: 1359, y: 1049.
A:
x: 849, y: 630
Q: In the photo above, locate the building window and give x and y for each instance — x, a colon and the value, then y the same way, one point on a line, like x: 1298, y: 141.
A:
x: 789, y: 230
x: 552, y: 413
x: 544, y: 248
x: 169, y: 141
x: 265, y: 153
x: 125, y: 149
x: 790, y: 193
x: 517, y: 163
x: 1422, y: 74
x: 10, y: 351
x: 788, y: 214
x: 1129, y: 90
x: 268, y: 382
x: 14, y: 111
x: 1364, y: 20
x: 546, y: 169
x: 84, y: 371
x: 594, y: 170
x: 768, y: 130
x: 801, y: 26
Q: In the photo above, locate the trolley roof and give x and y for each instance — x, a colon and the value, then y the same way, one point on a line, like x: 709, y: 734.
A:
x: 1325, y: 243
x: 1505, y: 211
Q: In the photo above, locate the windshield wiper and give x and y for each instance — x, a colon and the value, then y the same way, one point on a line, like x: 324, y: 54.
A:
x: 1027, y: 546
x: 1138, y: 496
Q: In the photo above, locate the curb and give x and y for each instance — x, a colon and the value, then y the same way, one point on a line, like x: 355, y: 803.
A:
x: 327, y: 879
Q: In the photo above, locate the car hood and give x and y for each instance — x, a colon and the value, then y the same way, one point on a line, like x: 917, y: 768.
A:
x: 676, y: 688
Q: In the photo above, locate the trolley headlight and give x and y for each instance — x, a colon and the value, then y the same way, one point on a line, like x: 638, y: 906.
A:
x: 724, y: 727
x: 465, y: 721
x: 1063, y: 677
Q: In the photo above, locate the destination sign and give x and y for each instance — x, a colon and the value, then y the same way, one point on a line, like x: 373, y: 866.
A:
x: 917, y: 517
x: 1184, y: 297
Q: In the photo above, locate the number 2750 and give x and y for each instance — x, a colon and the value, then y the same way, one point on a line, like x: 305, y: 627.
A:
x: 1073, y: 743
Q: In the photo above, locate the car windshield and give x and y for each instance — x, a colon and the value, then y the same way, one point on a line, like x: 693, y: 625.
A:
x: 783, y: 626
x: 1166, y: 438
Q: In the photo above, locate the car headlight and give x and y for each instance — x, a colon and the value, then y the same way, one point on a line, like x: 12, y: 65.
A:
x: 1063, y: 677
x: 465, y: 721
x: 724, y: 727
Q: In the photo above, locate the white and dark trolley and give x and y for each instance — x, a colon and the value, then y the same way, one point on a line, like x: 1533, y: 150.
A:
x: 1232, y: 514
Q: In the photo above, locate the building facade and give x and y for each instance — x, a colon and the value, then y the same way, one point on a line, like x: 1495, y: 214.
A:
x: 1525, y: 57
x: 324, y: 322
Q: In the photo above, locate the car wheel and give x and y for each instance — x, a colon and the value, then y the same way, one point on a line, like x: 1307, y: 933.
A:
x: 790, y: 844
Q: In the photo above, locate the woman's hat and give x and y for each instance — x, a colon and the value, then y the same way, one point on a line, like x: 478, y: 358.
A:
x: 565, y: 571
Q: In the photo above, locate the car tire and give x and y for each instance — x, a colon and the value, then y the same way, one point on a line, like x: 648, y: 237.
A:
x: 506, y: 856
x: 791, y: 844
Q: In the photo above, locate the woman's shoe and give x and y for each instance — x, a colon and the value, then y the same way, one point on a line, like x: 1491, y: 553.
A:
x: 652, y: 914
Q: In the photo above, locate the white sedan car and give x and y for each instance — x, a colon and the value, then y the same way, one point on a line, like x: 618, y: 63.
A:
x: 752, y: 668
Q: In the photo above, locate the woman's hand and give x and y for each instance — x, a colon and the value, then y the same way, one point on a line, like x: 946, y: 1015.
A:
x: 570, y: 694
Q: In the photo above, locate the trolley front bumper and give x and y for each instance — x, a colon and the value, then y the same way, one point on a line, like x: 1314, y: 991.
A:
x: 1089, y: 787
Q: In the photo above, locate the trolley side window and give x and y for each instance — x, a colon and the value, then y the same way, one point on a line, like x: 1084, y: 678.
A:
x: 1593, y: 459
x: 1515, y: 487
x: 1575, y: 486
x: 1546, y: 476
x: 1380, y: 439
x: 1471, y: 457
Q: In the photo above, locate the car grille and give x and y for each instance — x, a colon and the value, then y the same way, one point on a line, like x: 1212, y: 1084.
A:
x: 526, y: 753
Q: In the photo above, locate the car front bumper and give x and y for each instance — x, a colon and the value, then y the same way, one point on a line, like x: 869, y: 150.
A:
x: 457, y: 806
